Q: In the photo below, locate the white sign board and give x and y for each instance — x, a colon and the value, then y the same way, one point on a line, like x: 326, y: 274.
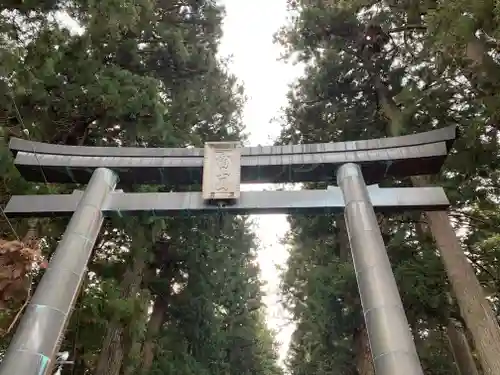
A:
x: 221, y: 170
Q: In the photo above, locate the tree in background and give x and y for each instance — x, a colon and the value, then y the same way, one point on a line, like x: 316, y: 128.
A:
x: 378, y: 69
x: 162, y: 295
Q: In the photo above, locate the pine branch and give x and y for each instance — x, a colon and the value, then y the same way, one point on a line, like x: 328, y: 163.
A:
x: 407, y: 28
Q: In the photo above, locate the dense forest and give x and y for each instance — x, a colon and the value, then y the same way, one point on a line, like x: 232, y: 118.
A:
x: 183, y: 296
x: 385, y: 68
x: 162, y: 296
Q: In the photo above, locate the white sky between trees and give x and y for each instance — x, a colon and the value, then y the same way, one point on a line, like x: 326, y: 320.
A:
x: 249, y: 27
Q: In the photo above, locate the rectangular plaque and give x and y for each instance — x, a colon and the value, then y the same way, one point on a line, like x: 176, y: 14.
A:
x: 221, y: 170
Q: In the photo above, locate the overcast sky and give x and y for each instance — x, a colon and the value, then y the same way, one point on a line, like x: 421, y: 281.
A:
x: 249, y: 27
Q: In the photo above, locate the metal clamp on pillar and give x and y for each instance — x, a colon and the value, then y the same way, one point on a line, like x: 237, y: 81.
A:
x: 391, y: 342
x: 32, y: 350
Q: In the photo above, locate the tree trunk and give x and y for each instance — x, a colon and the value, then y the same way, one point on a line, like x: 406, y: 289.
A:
x: 458, y: 342
x: 128, y: 367
x: 111, y: 358
x: 132, y: 343
x: 364, y: 363
x: 343, y: 239
x: 481, y: 64
x: 154, y: 325
x: 482, y: 72
x: 471, y: 298
x: 460, y: 348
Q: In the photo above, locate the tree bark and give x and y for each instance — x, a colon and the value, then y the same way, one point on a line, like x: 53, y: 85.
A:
x: 132, y: 344
x: 111, y: 358
x: 470, y: 296
x: 457, y: 340
x: 364, y: 362
x: 155, y: 322
x: 460, y: 348
x: 343, y: 239
x: 480, y: 63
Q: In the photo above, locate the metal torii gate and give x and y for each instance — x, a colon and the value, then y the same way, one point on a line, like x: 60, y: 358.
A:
x: 221, y: 167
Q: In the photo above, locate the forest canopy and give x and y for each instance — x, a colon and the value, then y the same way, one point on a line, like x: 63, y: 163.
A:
x: 184, y: 296
x: 387, y: 68
x: 162, y: 295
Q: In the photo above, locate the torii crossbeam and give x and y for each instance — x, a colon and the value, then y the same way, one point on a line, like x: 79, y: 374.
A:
x: 221, y: 168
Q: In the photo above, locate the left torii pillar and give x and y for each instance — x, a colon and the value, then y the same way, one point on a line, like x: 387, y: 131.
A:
x: 38, y: 337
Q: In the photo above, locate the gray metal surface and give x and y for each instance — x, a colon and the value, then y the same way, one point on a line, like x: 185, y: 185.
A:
x: 37, y: 338
x: 251, y: 202
x: 447, y: 134
x: 391, y: 342
x: 399, y: 156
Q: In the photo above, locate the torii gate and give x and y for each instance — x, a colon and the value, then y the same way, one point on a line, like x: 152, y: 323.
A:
x: 220, y: 167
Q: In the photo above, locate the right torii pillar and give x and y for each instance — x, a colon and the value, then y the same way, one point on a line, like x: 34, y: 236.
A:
x: 392, y: 346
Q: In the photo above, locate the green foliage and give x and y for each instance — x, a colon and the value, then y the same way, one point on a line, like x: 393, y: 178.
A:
x: 424, y: 69
x: 137, y: 73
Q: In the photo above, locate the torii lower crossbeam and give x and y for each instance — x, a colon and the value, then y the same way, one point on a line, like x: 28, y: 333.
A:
x: 384, y: 200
